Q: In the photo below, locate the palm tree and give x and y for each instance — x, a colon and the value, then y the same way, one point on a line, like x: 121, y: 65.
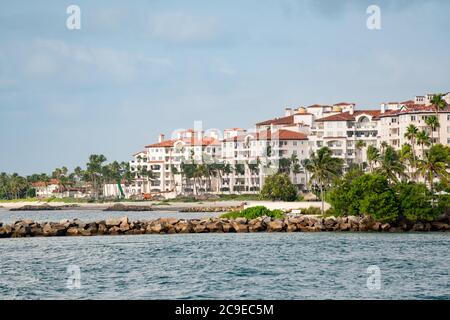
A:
x: 433, y: 123
x: 438, y: 104
x: 323, y: 168
x: 173, y: 172
x: 435, y: 163
x: 94, y: 172
x: 390, y: 165
x: 406, y: 157
x: 372, y: 155
x: 284, y: 165
x: 305, y: 163
x: 383, y: 146
x: 411, y: 135
x: 359, y: 146
x: 423, y: 139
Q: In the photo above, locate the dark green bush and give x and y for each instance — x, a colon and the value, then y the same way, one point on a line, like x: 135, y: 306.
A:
x: 414, y: 200
x: 254, y: 212
x: 279, y: 187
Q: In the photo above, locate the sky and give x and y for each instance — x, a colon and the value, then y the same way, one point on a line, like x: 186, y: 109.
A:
x: 139, y: 68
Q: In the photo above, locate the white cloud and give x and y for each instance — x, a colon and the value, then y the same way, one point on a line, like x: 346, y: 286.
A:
x: 51, y: 57
x: 182, y: 27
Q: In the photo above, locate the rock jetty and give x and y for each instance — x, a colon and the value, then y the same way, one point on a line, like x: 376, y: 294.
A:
x: 123, y: 226
x: 123, y: 207
x: 44, y: 207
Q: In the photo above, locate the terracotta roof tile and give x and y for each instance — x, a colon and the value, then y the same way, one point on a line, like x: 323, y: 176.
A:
x: 277, y: 121
x: 189, y: 141
x: 346, y: 116
x: 267, y: 135
x: 413, y: 108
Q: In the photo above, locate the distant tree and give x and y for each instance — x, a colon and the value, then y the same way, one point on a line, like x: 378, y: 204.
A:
x: 438, y: 104
x: 279, y: 187
x: 390, y: 165
x: 414, y: 200
x: 372, y: 155
x: 433, y: 123
x: 435, y: 164
x: 323, y: 168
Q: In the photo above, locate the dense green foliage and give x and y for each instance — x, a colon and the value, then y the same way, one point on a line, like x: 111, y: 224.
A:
x: 414, y: 201
x: 96, y: 174
x: 279, y: 187
x: 253, y: 212
x: 371, y: 194
x: 323, y: 168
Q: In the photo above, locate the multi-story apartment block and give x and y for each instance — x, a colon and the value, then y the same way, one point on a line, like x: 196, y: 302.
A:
x: 393, y: 124
x: 253, y: 154
x: 342, y: 130
x: 157, y: 168
x: 259, y: 154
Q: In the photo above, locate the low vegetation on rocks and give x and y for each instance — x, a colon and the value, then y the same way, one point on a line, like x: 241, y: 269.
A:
x: 254, y: 212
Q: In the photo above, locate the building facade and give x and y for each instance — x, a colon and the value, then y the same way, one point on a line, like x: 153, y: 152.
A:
x: 246, y: 157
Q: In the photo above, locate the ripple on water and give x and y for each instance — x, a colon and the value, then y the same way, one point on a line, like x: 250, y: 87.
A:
x: 228, y: 266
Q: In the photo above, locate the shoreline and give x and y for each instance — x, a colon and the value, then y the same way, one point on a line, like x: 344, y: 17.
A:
x: 170, y: 206
x: 298, y: 223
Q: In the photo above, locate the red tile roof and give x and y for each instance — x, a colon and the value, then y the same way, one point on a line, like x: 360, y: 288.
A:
x: 346, y: 116
x: 164, y: 144
x: 189, y: 141
x: 413, y: 108
x: 267, y: 135
x: 277, y: 121
x: 44, y: 184
x: 343, y: 104
x: 318, y: 106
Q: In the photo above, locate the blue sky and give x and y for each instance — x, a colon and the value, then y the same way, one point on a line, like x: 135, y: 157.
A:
x: 138, y: 68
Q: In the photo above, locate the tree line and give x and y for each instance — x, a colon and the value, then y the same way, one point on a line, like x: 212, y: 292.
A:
x: 96, y: 173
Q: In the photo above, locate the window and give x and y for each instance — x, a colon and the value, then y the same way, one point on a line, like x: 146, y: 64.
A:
x: 413, y: 118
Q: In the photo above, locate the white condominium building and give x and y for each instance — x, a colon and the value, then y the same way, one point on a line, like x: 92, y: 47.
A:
x: 164, y: 158
x: 393, y: 124
x: 247, y: 157
x: 259, y: 154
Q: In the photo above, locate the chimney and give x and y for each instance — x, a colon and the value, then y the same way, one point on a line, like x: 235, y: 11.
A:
x: 161, y: 137
x: 351, y: 110
x: 288, y: 112
x: 383, y: 108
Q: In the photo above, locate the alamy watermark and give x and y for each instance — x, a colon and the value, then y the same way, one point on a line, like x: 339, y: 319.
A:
x: 73, y: 22
x: 74, y: 277
x: 373, y: 22
x: 374, y: 280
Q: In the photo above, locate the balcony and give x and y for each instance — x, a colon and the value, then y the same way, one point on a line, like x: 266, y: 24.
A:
x: 366, y: 126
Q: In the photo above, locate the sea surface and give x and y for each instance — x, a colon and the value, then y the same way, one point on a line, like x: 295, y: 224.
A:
x: 225, y: 266
x: 95, y: 215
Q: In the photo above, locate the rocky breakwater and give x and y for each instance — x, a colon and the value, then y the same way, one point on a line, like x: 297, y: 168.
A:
x: 123, y: 226
x: 44, y: 207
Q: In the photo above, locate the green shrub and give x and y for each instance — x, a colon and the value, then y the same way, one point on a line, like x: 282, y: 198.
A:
x: 344, y: 196
x: 254, y: 212
x: 414, y: 200
x: 443, y: 204
x: 311, y: 211
x: 368, y: 194
x: 279, y: 187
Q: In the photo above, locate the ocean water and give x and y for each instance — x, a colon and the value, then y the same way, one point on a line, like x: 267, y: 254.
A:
x: 227, y: 266
x: 94, y: 215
